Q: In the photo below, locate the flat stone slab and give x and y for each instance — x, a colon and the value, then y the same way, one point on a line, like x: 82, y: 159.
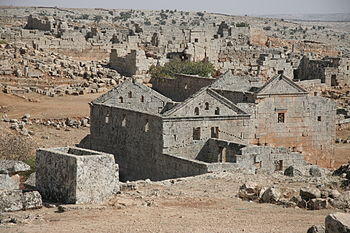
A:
x: 13, y: 166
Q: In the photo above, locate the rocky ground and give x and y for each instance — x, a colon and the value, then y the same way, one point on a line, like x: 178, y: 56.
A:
x: 206, y: 203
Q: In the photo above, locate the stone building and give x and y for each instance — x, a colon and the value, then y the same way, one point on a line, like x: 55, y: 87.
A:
x: 333, y: 71
x: 233, y: 122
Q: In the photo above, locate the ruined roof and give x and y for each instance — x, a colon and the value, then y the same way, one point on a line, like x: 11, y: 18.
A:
x: 213, y: 94
x: 230, y: 82
x: 114, y: 93
x: 280, y: 85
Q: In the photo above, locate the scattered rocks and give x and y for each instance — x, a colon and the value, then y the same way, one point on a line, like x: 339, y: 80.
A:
x: 271, y: 195
x: 309, y: 193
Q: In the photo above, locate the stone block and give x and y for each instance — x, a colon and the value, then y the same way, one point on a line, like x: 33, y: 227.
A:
x: 338, y: 223
x: 72, y: 175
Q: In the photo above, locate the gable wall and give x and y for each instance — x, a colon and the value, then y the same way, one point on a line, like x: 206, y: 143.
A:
x: 301, y: 128
x: 150, y: 104
x: 199, y: 102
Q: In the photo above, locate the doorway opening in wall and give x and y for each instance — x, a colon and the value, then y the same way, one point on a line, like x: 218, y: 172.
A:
x: 257, y: 164
x: 214, y: 132
x: 334, y: 80
x: 278, y: 165
x: 222, y: 154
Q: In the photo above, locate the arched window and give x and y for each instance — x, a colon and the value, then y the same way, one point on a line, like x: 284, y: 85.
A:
x: 217, y: 111
x: 121, y: 99
x: 196, y: 111
x: 130, y: 94
x: 206, y: 106
x: 142, y: 99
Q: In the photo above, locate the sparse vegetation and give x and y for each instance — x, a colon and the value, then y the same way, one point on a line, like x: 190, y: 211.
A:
x: 242, y: 24
x: 182, y: 67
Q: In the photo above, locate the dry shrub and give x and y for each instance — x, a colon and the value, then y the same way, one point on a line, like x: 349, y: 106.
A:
x: 16, y: 147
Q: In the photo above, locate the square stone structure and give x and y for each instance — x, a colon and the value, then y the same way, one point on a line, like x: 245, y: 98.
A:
x: 73, y: 175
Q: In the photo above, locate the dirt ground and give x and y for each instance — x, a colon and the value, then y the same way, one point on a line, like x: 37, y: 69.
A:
x: 199, y: 204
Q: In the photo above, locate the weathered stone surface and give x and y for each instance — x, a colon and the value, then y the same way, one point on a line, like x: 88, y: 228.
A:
x: 14, y: 200
x: 11, y: 200
x: 32, y: 200
x: 310, y: 193
x: 73, y: 175
x: 8, y: 182
x: 338, y: 223
x: 271, y: 195
x: 317, y: 204
x: 342, y: 201
x: 31, y: 180
x: 316, y: 229
x: 13, y: 166
x: 249, y: 191
x: 316, y: 171
x: 292, y: 171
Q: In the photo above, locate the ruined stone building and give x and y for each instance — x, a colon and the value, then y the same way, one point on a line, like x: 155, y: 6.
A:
x: 233, y: 122
x: 333, y: 71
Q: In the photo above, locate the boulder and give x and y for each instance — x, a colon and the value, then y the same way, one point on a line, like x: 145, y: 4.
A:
x: 32, y: 200
x: 318, y: 204
x: 271, y: 195
x: 13, y: 166
x: 338, y: 223
x: 292, y: 171
x: 343, y: 169
x: 8, y: 182
x: 342, y: 201
x: 316, y: 229
x: 31, y: 180
x: 249, y: 191
x: 310, y: 193
x: 315, y: 171
x: 11, y: 200
x: 14, y: 200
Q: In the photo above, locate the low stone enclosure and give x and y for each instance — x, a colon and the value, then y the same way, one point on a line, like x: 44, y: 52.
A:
x: 72, y: 175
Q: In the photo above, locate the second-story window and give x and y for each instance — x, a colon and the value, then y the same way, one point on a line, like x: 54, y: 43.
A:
x: 196, y: 111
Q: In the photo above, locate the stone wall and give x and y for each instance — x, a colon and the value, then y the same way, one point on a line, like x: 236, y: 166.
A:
x: 133, y: 63
x: 74, y: 175
x: 134, y: 138
x: 181, y: 87
x: 308, y: 126
x: 39, y: 24
x: 268, y: 159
